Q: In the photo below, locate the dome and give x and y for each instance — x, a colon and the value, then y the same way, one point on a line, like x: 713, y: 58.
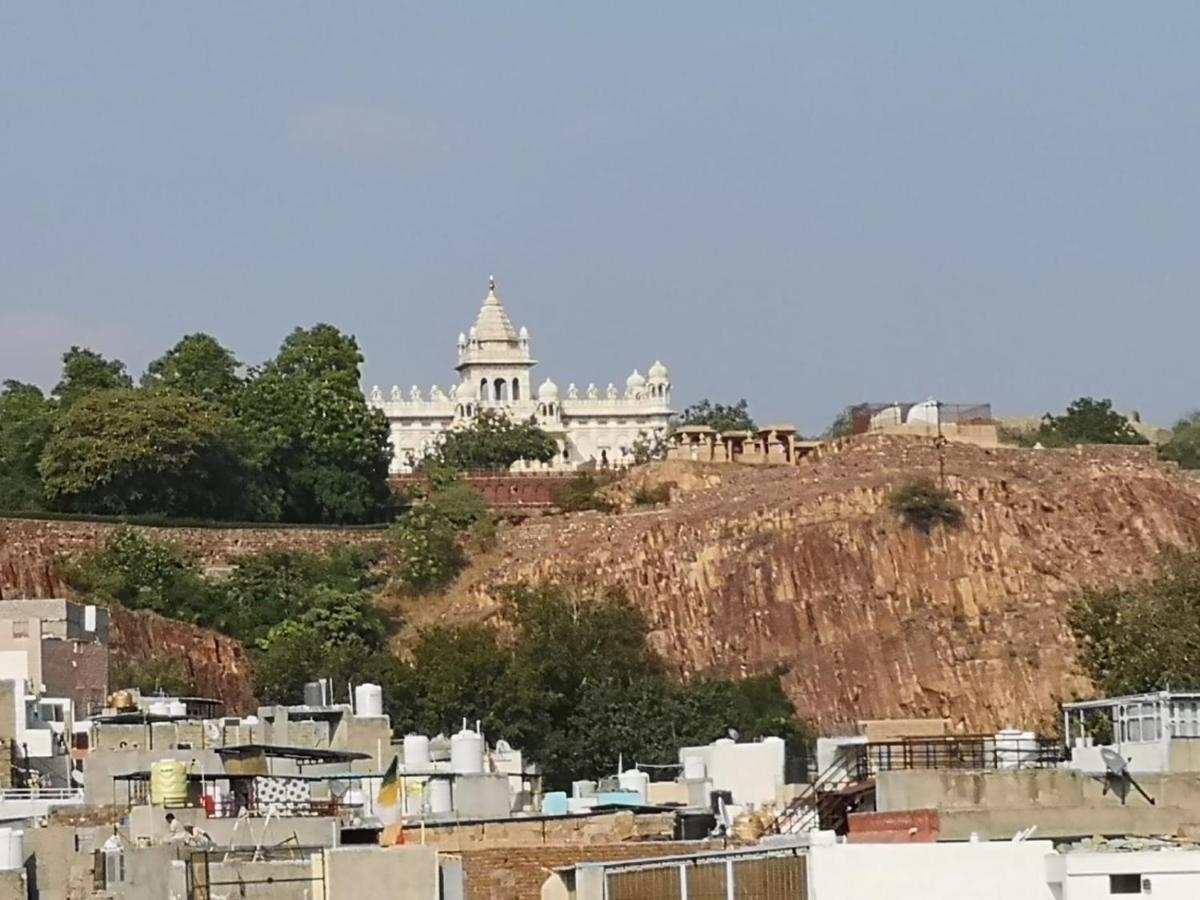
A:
x: 548, y: 392
x: 635, y: 380
x: 658, y: 372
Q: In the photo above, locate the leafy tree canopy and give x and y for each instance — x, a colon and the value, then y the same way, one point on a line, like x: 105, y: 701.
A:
x: 25, y: 425
x: 85, y: 371
x: 493, y: 441
x: 1088, y: 421
x: 197, y: 365
x: 841, y: 426
x: 1144, y: 637
x: 719, y: 416
x: 1184, y: 445
x: 126, y: 452
x: 324, y: 450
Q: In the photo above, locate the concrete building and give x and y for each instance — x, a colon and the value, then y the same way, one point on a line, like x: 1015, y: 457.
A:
x: 591, y: 426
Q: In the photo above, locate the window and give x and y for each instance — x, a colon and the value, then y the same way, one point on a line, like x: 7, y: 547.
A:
x: 1125, y: 884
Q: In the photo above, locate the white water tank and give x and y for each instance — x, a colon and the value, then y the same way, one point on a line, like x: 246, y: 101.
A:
x: 693, y: 768
x: 1015, y: 748
x: 160, y: 708
x: 439, y: 796
x: 416, y: 753
x: 368, y: 700
x: 177, y: 708
x: 466, y: 752
x: 12, y: 849
x: 635, y: 781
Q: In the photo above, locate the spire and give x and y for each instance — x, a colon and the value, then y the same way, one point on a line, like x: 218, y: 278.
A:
x: 492, y: 323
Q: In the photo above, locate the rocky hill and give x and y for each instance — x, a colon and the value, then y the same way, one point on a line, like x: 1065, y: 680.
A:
x: 806, y: 567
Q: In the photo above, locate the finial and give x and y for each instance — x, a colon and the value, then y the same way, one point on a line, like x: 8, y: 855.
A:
x: 491, y: 282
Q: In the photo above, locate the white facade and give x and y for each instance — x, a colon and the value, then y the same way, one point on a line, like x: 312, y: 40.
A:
x: 495, y: 372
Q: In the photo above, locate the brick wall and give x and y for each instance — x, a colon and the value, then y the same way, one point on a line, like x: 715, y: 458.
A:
x: 75, y: 669
x: 517, y: 873
x: 532, y: 490
x: 913, y: 826
x: 612, y: 828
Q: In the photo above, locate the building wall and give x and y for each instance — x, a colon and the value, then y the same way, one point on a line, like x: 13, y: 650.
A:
x: 980, y: 871
x: 1060, y: 802
x: 515, y: 490
x: 372, y: 873
x: 612, y: 828
x: 518, y: 873
x: 75, y: 670
x: 1173, y: 874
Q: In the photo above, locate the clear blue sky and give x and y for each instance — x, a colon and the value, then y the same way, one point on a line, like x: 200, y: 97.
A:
x: 802, y: 204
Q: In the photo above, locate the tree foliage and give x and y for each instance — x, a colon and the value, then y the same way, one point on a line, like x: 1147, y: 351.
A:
x: 841, y: 426
x: 25, y: 426
x: 85, y: 371
x: 922, y: 505
x: 1087, y: 421
x: 427, y: 542
x: 128, y: 452
x: 1146, y: 636
x: 1184, y: 445
x: 493, y: 442
x: 197, y: 365
x: 324, y: 451
x: 718, y: 416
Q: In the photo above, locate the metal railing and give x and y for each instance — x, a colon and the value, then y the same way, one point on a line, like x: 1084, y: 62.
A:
x: 966, y: 752
x: 42, y: 793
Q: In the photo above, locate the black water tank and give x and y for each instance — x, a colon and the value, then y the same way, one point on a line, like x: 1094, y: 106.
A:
x: 694, y: 824
x: 717, y: 797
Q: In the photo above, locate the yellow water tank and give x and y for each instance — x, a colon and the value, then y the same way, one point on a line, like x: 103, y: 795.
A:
x: 168, y: 783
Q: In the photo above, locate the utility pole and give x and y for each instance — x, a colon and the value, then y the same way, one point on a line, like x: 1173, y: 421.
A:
x: 940, y: 443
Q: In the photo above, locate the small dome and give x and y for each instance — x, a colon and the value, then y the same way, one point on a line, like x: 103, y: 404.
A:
x: 548, y: 392
x: 524, y: 332
x: 658, y: 372
x: 462, y: 339
x: 473, y: 332
x: 635, y: 380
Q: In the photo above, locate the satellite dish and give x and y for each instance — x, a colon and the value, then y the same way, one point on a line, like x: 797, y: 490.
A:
x: 1117, y: 776
x: 1116, y: 764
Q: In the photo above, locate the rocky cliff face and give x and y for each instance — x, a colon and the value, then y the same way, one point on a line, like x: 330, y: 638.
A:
x: 217, y: 666
x: 32, y: 554
x: 803, y: 567
x: 806, y: 567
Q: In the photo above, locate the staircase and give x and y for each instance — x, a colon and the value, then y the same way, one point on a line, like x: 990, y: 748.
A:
x: 827, y: 802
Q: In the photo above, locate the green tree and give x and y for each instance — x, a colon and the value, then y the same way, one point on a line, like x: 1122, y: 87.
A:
x: 322, y: 448
x: 1088, y: 421
x: 196, y: 365
x: 426, y: 553
x: 841, y: 426
x: 26, y: 418
x: 126, y: 451
x: 140, y: 574
x: 493, y: 441
x: 157, y: 673
x: 650, y: 446
x: 1145, y: 636
x: 1184, y: 445
x: 922, y: 505
x: 718, y: 416
x: 85, y: 371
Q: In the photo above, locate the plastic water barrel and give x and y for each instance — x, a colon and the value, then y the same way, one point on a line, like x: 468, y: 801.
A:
x: 693, y: 768
x: 439, y: 796
x: 466, y: 752
x: 416, y: 753
x: 168, y: 782
x: 635, y: 781
x: 368, y: 700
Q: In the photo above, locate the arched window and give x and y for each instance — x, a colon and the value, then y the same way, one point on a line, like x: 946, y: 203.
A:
x: 483, y: 390
x: 516, y: 390
x: 501, y: 389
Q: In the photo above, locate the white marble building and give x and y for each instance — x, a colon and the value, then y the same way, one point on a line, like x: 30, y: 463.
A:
x: 495, y: 371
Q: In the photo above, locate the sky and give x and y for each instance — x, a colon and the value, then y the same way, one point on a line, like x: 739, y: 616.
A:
x: 803, y: 204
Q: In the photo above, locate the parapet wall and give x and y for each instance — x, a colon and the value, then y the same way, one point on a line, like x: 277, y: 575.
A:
x: 507, y: 491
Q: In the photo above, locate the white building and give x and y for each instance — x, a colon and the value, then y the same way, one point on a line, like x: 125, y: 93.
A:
x: 495, y: 372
